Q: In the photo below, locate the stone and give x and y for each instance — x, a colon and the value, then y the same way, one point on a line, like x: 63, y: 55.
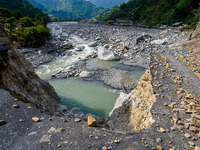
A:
x: 93, y: 44
x: 85, y: 74
x: 21, y: 120
x: 58, y: 145
x: 15, y: 105
x: 106, y: 54
x: 162, y: 130
x: 143, y: 39
x: 67, y: 45
x: 104, y: 148
x: 158, y: 42
x: 91, y: 121
x: 195, y: 122
x: 2, y: 122
x: 187, y: 135
x: 191, y: 144
x: 158, y: 140
x: 62, y: 129
x: 36, y: 119
x: 159, y: 147
x: 89, y: 146
x: 77, y: 120
x: 197, y: 148
x: 79, y: 49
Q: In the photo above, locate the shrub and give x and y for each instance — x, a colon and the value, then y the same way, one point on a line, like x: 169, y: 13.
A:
x: 33, y: 36
x: 26, y: 22
x: 4, y: 12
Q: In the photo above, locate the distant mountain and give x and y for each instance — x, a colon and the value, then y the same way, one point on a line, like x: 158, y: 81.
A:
x: 67, y: 8
x: 26, y: 8
x: 107, y: 3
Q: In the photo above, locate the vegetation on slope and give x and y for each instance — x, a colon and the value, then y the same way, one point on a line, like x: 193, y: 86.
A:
x: 107, y: 3
x: 68, y: 8
x: 26, y: 8
x: 30, y: 32
x: 155, y: 12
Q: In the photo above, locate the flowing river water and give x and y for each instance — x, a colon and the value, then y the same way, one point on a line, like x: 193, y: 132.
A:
x: 91, y: 97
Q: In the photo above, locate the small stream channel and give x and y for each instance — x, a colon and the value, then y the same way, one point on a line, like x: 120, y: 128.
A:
x: 91, y: 97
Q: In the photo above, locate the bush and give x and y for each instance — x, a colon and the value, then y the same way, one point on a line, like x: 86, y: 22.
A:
x: 33, y: 36
x: 17, y: 14
x: 26, y: 22
x: 5, y: 12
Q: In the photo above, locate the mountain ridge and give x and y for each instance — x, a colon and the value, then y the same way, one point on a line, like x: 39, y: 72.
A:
x: 68, y: 8
x: 107, y: 3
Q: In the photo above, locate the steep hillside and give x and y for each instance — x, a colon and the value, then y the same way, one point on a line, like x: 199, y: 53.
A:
x: 107, y: 3
x: 157, y: 12
x: 24, y: 6
x: 67, y: 8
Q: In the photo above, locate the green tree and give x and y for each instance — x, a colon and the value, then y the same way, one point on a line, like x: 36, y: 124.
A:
x: 10, y: 24
x: 17, y: 14
x: 26, y: 22
x: 4, y: 12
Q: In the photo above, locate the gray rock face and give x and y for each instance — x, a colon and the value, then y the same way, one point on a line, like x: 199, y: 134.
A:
x: 18, y: 77
x: 105, y: 54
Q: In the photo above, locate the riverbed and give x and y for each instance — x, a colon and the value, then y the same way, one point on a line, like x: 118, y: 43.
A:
x: 98, y: 92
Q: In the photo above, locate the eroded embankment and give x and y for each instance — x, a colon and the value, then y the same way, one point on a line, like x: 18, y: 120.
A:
x: 132, y: 111
x: 18, y: 77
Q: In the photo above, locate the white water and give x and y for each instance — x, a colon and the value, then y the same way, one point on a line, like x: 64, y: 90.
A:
x: 45, y: 71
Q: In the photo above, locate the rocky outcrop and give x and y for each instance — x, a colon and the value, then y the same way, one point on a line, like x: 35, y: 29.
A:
x: 192, y: 60
x: 18, y: 77
x: 132, y: 111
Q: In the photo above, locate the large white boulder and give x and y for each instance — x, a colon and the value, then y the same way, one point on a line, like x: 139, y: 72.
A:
x: 85, y: 74
x: 106, y: 54
x: 159, y: 42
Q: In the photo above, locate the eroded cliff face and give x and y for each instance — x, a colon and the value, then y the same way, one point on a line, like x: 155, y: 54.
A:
x: 132, y: 111
x: 18, y: 77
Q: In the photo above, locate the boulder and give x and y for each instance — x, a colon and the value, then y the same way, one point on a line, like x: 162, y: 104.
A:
x: 79, y: 49
x: 67, y: 45
x: 2, y: 122
x: 143, y: 39
x: 159, y: 42
x: 85, y: 74
x: 77, y: 120
x: 105, y: 54
x: 36, y: 119
x: 93, y: 44
x: 62, y: 38
x: 91, y: 121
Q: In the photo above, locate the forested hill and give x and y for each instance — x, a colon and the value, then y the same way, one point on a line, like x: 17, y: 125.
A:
x: 67, y: 8
x: 107, y: 3
x: 157, y: 11
x: 26, y: 8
